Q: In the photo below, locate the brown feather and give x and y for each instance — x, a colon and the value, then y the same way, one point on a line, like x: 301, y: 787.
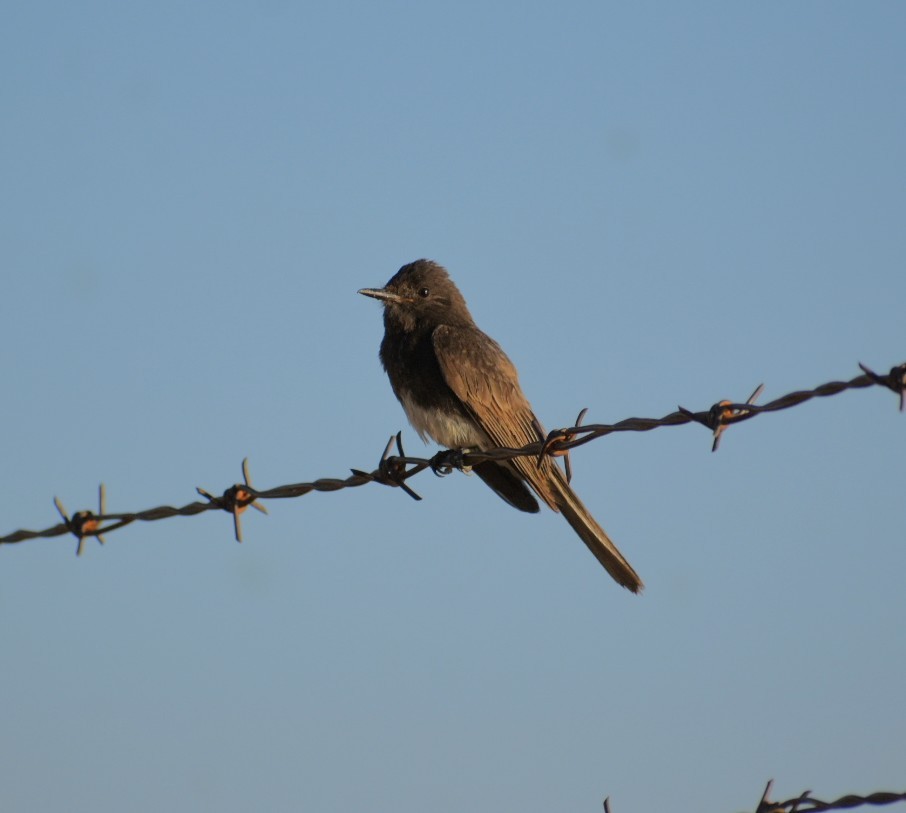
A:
x: 486, y: 382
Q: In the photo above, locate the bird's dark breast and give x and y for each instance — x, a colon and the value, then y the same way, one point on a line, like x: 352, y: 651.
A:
x: 431, y: 406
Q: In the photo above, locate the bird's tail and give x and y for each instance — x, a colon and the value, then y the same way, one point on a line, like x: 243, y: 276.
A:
x: 592, y: 534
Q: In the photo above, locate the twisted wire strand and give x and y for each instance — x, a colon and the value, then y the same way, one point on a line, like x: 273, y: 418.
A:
x: 806, y: 803
x: 395, y: 470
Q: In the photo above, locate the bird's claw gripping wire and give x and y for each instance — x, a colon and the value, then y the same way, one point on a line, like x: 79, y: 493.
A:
x: 236, y: 499
x: 446, y: 461
x: 84, y: 523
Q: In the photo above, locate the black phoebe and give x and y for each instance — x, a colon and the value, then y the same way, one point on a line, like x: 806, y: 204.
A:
x: 458, y: 387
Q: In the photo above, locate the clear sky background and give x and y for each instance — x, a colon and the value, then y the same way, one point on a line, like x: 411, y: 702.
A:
x: 646, y: 205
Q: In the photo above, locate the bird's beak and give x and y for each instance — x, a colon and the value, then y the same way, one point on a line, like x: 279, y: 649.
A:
x: 381, y: 293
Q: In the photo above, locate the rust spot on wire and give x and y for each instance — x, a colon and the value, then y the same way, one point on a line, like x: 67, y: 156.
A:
x: 84, y: 523
x: 236, y: 499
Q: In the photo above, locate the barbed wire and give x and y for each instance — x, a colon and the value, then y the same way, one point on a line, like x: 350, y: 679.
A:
x: 395, y: 470
x: 805, y: 803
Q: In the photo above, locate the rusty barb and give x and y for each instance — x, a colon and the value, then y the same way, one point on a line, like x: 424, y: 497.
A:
x: 395, y: 469
x: 84, y: 523
x: 722, y: 414
x: 236, y: 499
x: 553, y: 444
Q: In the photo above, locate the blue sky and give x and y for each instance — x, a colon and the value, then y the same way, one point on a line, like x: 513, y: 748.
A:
x: 646, y: 205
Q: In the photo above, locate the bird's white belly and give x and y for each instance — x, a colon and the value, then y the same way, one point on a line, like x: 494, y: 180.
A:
x: 445, y: 427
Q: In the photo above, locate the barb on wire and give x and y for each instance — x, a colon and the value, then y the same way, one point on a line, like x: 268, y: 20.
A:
x: 391, y: 470
x: 395, y: 469
x: 236, y: 499
x: 806, y: 803
x: 895, y: 381
x: 84, y: 523
x: 727, y: 412
x: 560, y: 436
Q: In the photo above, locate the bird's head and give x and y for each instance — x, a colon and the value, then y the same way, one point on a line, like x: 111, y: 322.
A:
x: 421, y: 293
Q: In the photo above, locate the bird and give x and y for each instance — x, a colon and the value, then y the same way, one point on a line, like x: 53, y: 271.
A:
x: 458, y: 387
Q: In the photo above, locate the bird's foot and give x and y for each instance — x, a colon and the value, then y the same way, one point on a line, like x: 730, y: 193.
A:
x: 447, y: 460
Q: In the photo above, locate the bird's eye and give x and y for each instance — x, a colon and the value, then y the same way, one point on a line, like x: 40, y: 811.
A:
x: 423, y: 293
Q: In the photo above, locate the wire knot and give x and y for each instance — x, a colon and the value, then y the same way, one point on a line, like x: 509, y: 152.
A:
x: 557, y: 437
x: 895, y: 381
x: 85, y: 523
x: 236, y: 499
x: 391, y: 470
x: 722, y: 414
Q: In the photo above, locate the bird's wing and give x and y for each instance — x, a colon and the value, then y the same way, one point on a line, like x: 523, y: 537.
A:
x: 486, y: 382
